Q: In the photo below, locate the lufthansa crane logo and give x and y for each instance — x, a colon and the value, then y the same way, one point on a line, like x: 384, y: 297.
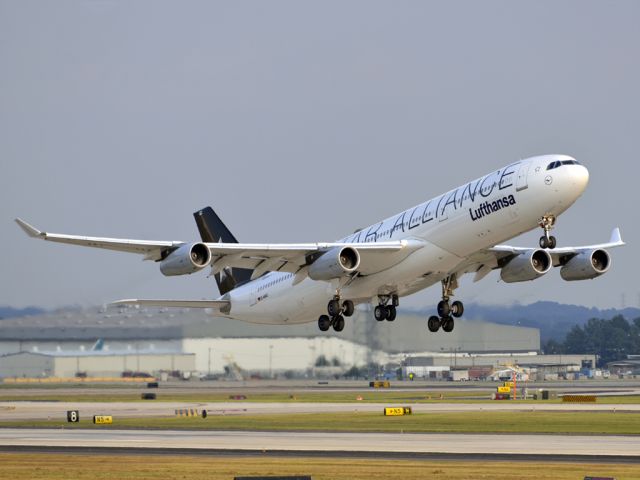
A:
x: 548, y: 180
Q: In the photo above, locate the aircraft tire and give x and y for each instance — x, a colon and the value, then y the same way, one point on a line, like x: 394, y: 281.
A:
x: 544, y: 243
x: 347, y: 308
x: 338, y: 323
x: 324, y: 323
x: 391, y: 313
x: 444, y: 309
x: 552, y: 242
x: 457, y: 309
x: 447, y: 324
x: 433, y: 324
x: 380, y: 313
x: 333, y: 308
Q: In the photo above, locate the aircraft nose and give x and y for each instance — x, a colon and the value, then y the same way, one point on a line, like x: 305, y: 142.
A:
x: 580, y: 177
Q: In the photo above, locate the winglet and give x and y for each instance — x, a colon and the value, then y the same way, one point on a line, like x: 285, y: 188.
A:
x: 29, y: 229
x: 616, y: 237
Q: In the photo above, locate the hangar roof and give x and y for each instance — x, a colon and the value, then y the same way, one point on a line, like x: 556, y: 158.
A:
x: 407, y: 334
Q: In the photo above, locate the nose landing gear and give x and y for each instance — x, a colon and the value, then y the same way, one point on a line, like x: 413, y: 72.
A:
x: 546, y: 223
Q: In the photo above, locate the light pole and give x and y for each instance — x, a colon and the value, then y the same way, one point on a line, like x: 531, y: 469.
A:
x: 209, y: 370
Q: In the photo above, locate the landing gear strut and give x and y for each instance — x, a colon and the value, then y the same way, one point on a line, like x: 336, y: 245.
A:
x: 336, y: 309
x: 546, y: 223
x: 446, y: 310
x: 386, y: 309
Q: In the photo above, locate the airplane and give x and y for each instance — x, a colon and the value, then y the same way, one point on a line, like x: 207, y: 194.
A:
x: 438, y: 241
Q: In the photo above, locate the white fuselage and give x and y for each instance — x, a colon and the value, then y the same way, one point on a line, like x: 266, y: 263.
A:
x: 450, y: 228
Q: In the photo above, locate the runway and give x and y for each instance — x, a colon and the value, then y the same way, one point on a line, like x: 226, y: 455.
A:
x: 600, y: 446
x: 567, y: 448
x: 48, y: 410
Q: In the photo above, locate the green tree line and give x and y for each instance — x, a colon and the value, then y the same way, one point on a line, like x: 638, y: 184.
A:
x: 610, y: 340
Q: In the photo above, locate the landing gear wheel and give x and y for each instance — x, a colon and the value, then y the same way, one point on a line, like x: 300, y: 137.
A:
x: 457, y: 309
x: 443, y: 308
x: 380, y: 313
x: 333, y: 307
x: 447, y: 324
x: 391, y: 313
x: 433, y: 324
x: 548, y: 242
x: 447, y: 311
x: 347, y: 308
x: 324, y: 323
x: 338, y: 323
x: 547, y: 222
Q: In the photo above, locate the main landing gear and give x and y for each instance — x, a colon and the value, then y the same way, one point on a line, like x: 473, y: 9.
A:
x: 336, y: 310
x: 446, y: 311
x: 386, y: 309
x: 546, y: 223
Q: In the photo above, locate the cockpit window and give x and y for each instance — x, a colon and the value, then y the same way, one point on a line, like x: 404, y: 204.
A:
x: 553, y: 165
x: 559, y: 163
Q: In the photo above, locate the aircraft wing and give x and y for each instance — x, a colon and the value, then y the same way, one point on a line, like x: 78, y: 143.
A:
x: 562, y: 254
x: 293, y: 258
x: 151, y: 249
x: 486, y: 260
x: 283, y: 257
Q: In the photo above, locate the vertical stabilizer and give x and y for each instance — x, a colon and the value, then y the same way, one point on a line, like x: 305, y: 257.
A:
x: 213, y: 230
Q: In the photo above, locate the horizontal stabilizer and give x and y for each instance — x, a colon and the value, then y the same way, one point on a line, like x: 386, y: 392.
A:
x: 215, y: 304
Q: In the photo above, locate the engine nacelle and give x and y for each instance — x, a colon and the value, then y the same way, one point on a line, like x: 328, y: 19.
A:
x: 526, y: 266
x: 187, y: 259
x: 335, y: 263
x: 586, y: 265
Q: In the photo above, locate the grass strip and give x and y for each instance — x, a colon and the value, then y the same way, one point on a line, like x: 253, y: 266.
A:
x: 457, y: 422
x: 107, y: 467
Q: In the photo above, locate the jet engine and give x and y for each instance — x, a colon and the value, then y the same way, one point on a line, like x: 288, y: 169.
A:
x: 526, y: 266
x: 186, y: 259
x: 586, y: 265
x: 335, y: 263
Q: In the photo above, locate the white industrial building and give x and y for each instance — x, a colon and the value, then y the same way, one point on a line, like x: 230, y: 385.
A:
x: 149, y: 340
x: 91, y: 364
x: 478, y: 365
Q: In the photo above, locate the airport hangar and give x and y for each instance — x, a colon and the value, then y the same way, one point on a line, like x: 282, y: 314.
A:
x: 194, y: 342
x: 92, y: 364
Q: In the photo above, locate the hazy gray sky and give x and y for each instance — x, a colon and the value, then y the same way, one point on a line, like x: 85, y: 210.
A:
x: 300, y: 121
